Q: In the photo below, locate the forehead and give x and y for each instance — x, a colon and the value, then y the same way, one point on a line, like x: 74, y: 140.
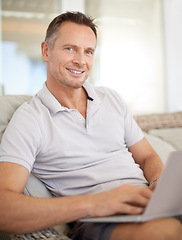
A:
x: 73, y: 33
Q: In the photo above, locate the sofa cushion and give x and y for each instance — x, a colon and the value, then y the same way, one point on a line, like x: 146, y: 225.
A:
x: 8, y: 105
x: 36, y: 188
x: 172, y: 136
x: 161, y: 147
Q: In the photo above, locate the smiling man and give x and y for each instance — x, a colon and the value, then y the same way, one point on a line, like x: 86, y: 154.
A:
x: 83, y: 144
x: 69, y: 62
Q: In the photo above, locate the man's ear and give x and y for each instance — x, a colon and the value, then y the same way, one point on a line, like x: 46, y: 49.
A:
x: 45, y: 51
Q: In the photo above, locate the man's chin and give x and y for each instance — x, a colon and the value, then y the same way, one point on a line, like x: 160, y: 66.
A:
x: 75, y: 85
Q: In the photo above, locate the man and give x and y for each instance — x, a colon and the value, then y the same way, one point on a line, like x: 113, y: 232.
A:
x: 83, y: 143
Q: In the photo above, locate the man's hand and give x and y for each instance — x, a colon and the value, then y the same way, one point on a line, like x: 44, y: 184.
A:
x: 126, y: 199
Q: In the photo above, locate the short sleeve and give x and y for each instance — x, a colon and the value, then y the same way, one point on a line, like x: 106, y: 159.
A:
x: 133, y: 132
x: 21, y: 140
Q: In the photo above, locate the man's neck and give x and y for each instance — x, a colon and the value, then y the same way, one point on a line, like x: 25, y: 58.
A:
x: 72, y: 98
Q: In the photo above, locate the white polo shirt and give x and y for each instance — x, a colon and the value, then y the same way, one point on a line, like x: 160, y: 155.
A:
x: 70, y: 154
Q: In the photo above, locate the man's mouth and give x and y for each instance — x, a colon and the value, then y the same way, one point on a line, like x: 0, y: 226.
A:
x: 75, y: 71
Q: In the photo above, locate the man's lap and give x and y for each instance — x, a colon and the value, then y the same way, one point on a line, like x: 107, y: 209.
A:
x: 159, y: 228
x: 92, y: 231
x: 103, y: 231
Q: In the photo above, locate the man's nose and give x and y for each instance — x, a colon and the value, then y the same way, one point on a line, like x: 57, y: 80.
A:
x: 79, y: 58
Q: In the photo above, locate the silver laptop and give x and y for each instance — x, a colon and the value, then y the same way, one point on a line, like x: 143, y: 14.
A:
x: 166, y: 200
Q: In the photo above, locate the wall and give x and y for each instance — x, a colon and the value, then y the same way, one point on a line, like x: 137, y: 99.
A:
x: 130, y: 51
x: 173, y: 56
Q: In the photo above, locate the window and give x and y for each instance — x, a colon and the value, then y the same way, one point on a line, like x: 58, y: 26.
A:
x: 23, y: 26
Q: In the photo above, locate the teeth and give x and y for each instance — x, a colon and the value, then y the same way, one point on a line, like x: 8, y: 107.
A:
x: 74, y: 71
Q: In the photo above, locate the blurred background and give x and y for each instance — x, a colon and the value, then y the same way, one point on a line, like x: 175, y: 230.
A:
x: 139, y: 50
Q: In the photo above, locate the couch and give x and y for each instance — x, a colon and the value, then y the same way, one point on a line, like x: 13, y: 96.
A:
x: 163, y: 131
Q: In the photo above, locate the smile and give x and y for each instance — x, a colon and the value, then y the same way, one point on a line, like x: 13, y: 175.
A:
x: 75, y: 71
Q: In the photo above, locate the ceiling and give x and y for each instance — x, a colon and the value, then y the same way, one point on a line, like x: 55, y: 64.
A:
x: 28, y: 6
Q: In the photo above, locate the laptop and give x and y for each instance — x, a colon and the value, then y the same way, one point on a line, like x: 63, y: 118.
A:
x: 166, y: 200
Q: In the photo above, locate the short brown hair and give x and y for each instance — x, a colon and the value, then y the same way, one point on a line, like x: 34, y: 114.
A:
x: 76, y: 17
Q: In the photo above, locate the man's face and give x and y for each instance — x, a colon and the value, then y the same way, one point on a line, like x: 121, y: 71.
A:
x: 70, y: 60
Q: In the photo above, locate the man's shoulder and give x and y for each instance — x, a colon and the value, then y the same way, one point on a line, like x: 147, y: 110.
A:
x: 33, y: 108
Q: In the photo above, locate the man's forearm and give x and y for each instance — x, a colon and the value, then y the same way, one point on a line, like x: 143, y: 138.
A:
x: 148, y: 159
x: 153, y: 168
x: 23, y: 214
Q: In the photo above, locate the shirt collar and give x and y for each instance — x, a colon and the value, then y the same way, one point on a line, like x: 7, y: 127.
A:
x: 94, y: 93
x: 49, y: 101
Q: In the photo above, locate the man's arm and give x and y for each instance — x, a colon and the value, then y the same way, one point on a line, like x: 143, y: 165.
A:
x: 148, y: 159
x: 22, y: 214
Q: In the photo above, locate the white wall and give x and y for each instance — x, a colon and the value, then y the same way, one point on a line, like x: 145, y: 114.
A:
x: 173, y: 49
x: 72, y: 5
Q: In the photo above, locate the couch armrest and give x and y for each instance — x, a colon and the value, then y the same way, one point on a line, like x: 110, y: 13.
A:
x: 159, y: 120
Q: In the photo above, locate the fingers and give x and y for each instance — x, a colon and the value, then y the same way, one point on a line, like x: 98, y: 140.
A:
x: 139, y: 197
x: 129, y: 209
x: 135, y: 200
x: 126, y: 199
x: 135, y: 193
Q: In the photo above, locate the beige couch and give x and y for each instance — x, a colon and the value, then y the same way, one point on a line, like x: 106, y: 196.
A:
x: 163, y: 131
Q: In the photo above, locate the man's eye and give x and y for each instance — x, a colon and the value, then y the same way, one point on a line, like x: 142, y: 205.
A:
x: 89, y: 52
x: 69, y: 49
